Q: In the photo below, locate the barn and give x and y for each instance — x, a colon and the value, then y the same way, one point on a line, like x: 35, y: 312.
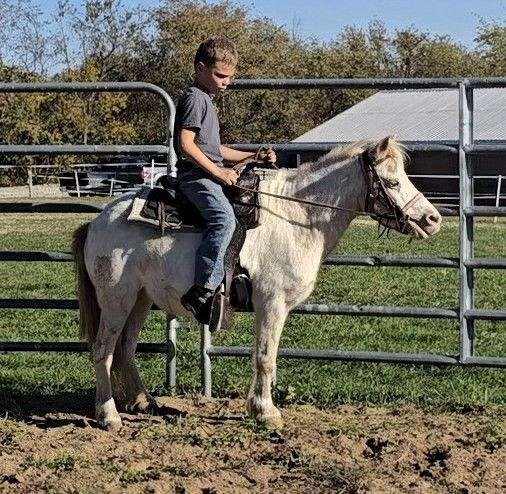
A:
x: 427, y: 116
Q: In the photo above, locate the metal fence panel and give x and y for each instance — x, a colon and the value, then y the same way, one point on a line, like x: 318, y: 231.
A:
x: 168, y: 150
x: 466, y: 263
x: 466, y: 225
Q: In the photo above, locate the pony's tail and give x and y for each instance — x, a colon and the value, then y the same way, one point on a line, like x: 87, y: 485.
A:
x: 89, y: 310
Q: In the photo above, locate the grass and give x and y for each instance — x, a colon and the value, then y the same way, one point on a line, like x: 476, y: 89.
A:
x: 24, y: 375
x: 62, y: 462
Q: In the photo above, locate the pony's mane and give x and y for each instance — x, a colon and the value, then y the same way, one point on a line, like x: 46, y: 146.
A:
x: 344, y: 153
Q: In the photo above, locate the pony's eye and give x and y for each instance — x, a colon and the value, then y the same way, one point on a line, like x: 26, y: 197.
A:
x: 392, y: 184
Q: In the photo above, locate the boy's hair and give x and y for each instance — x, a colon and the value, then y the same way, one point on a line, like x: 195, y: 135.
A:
x: 216, y: 50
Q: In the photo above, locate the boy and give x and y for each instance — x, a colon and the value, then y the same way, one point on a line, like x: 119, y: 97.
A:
x: 201, y: 171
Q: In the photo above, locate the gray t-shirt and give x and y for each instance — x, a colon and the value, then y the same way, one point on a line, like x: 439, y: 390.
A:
x: 195, y: 110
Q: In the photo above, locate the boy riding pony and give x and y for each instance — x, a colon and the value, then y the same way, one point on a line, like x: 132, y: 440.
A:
x: 202, y: 172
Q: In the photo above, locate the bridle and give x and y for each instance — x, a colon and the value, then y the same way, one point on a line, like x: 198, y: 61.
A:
x: 378, y: 201
x: 379, y: 204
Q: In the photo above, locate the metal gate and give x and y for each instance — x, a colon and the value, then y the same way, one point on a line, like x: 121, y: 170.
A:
x: 466, y: 313
x: 466, y: 263
x: 166, y: 149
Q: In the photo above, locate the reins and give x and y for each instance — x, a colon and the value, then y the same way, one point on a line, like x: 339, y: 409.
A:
x: 366, y: 161
x: 377, y: 197
x: 242, y: 164
x: 302, y: 201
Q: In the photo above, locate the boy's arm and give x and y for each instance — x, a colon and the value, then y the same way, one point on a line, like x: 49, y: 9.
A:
x: 235, y: 155
x: 191, y: 150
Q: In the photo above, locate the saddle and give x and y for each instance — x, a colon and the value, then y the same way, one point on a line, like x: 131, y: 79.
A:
x: 171, y: 209
x: 168, y: 209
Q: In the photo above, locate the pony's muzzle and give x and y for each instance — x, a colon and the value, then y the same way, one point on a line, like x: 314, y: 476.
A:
x: 431, y: 222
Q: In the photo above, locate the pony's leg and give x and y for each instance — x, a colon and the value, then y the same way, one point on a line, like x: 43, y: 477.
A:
x: 112, y: 321
x: 269, y: 322
x: 128, y: 389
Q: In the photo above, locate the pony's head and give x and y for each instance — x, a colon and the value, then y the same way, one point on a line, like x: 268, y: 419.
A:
x: 392, y: 198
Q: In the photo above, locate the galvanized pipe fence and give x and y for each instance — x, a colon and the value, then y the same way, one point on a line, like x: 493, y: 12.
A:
x: 167, y: 149
x: 110, y: 184
x: 466, y: 313
x: 466, y: 263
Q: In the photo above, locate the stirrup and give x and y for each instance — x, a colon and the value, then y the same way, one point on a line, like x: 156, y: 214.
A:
x: 216, y: 309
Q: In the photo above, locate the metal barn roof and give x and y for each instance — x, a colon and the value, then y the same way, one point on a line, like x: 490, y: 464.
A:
x: 415, y: 115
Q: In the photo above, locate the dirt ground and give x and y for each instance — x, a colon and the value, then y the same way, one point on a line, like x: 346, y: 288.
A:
x: 197, y: 446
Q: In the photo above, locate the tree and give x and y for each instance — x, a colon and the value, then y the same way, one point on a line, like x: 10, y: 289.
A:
x: 491, y: 39
x: 21, y: 117
x: 86, y: 44
x: 102, y: 32
x: 94, y: 43
x: 24, y: 38
x: 88, y: 118
x: 103, y: 40
x: 265, y: 49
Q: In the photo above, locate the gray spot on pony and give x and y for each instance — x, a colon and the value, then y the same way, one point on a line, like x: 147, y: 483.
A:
x: 103, y: 270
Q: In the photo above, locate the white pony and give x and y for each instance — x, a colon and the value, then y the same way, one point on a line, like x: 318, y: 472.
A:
x: 123, y: 268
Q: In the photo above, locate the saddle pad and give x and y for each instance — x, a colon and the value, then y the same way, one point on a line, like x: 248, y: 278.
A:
x: 145, y: 211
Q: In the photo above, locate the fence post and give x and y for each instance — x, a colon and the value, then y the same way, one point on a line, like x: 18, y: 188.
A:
x: 76, y: 178
x: 466, y: 225
x: 498, y: 194
x: 205, y: 360
x: 111, y: 188
x: 170, y: 363
x: 30, y: 182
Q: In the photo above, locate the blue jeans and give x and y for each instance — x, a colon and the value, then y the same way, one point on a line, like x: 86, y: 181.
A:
x: 218, y: 215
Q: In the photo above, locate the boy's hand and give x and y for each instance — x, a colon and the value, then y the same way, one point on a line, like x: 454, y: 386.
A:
x: 271, y: 156
x: 266, y: 155
x: 227, y: 176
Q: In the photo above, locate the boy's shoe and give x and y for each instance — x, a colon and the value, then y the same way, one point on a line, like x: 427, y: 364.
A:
x: 197, y: 301
x: 205, y: 305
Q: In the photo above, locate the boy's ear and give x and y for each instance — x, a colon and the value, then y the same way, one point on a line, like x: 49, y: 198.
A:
x: 199, y: 66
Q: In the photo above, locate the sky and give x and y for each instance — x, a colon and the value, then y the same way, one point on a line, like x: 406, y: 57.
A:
x: 322, y: 19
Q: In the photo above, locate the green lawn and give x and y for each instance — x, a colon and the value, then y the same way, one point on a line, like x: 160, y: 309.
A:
x: 23, y: 375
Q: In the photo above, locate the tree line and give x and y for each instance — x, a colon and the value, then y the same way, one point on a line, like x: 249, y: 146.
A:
x: 105, y: 40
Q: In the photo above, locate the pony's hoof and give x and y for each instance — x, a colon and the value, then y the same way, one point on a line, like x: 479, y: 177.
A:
x: 271, y: 422
x: 107, y: 416
x: 141, y: 406
x: 269, y: 417
x: 113, y: 425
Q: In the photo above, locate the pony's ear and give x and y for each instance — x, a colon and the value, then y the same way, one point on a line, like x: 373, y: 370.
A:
x: 381, y: 149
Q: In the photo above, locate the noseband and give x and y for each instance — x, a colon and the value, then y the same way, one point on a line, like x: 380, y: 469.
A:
x: 378, y: 200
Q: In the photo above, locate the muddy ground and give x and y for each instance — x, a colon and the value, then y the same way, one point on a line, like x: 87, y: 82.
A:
x: 197, y: 446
